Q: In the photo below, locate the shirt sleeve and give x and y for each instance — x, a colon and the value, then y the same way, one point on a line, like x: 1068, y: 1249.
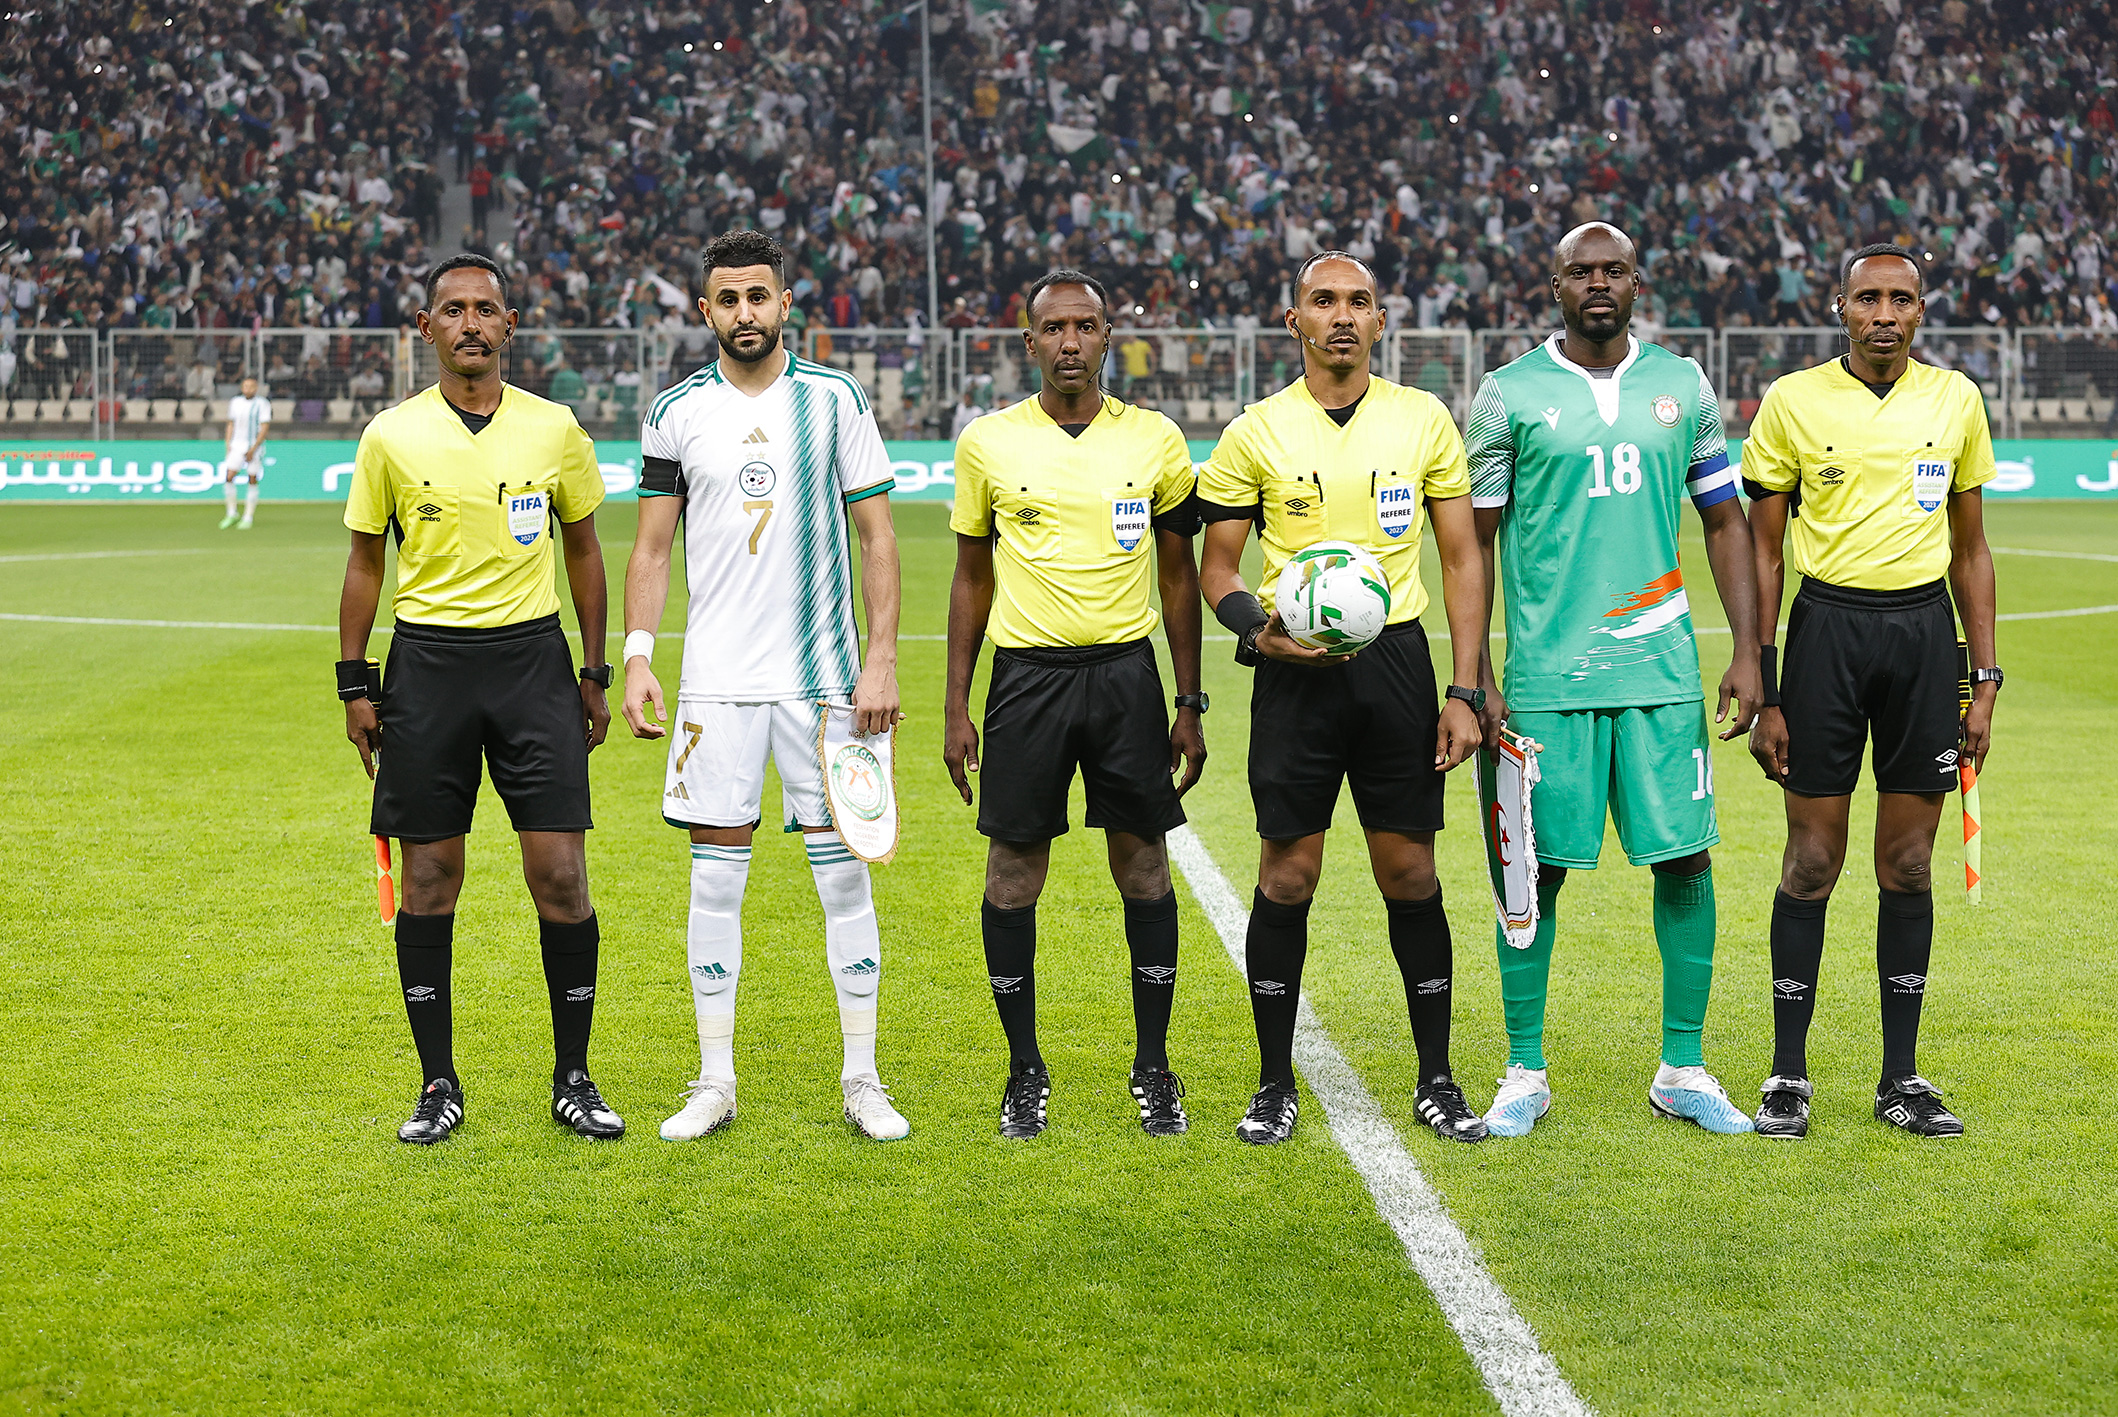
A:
x: 1710, y: 480
x: 1769, y: 464
x: 580, y: 479
x: 1229, y: 478
x: 1975, y: 466
x: 1448, y: 471
x: 370, y: 504
x: 661, y: 462
x: 973, y: 512
x: 231, y: 409
x: 863, y: 461
x: 1490, y: 447
x: 264, y: 415
x: 1176, y: 503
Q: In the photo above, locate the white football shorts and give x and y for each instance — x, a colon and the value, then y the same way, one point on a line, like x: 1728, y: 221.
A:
x: 232, y: 462
x: 716, y: 771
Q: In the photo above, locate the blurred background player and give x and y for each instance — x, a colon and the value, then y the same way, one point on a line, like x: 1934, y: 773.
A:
x: 764, y: 457
x: 1581, y: 451
x: 1878, y: 459
x: 249, y: 417
x: 469, y: 476
x: 1061, y: 503
x: 1343, y: 455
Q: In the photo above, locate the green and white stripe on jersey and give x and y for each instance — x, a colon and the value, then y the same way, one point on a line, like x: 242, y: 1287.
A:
x: 826, y: 639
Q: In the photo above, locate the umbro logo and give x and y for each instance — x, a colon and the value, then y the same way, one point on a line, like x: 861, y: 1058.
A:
x: 1833, y: 474
x: 1909, y: 983
x: 864, y: 968
x: 419, y: 994
x: 1006, y: 983
x: 1158, y: 973
x: 1027, y: 514
x: 581, y: 995
x: 757, y: 435
x: 428, y: 512
x: 1789, y: 988
x: 1271, y: 987
x: 1434, y: 986
x: 1947, y: 760
x: 1551, y: 418
x: 1297, y: 506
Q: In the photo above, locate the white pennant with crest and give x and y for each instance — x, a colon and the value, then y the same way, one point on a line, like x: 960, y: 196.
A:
x: 860, y: 782
x: 1505, y: 777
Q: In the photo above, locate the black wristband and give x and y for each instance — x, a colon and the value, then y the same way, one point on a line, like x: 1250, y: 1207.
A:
x: 1240, y: 613
x: 353, y: 679
x: 1247, y: 653
x: 1769, y: 673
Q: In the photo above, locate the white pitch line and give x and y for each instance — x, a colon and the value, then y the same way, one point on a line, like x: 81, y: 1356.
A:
x: 2058, y: 614
x: 2055, y: 555
x: 1522, y: 1377
x: 105, y: 555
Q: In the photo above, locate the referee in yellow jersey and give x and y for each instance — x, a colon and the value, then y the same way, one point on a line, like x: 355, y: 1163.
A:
x: 1070, y: 507
x: 1341, y: 455
x: 1877, y: 460
x: 468, y: 478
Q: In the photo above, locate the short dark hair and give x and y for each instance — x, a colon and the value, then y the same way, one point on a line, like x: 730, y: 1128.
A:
x: 1302, y: 273
x: 736, y: 249
x: 466, y: 261
x: 1880, y: 248
x: 1066, y: 275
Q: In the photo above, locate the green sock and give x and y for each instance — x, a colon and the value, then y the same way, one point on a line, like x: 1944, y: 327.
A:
x: 1525, y: 979
x: 1684, y: 932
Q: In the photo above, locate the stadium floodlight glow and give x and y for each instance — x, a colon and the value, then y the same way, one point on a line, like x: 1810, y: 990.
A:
x: 1658, y: 29
x: 687, y: 49
x: 1194, y: 282
x: 716, y: 46
x: 1248, y: 119
x: 1454, y: 119
x: 1544, y: 73
x: 1139, y: 309
x: 1116, y: 178
x: 1612, y: 136
x: 1534, y: 187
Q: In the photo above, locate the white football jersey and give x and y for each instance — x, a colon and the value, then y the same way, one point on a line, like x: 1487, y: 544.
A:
x: 247, y: 418
x: 765, y: 483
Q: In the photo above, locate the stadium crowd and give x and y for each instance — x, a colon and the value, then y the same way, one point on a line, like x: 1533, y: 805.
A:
x: 221, y: 164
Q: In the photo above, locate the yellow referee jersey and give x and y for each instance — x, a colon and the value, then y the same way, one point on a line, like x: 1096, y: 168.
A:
x: 1875, y: 474
x: 474, y: 510
x: 1072, y: 517
x: 1367, y: 483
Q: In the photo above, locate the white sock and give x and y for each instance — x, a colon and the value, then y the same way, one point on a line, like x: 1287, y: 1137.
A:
x: 852, y: 944
x: 228, y: 493
x: 250, y: 503
x: 713, y: 947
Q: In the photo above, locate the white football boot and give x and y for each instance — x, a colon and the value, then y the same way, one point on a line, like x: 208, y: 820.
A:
x: 1525, y: 1095
x: 709, y: 1105
x: 1692, y: 1094
x: 868, y: 1109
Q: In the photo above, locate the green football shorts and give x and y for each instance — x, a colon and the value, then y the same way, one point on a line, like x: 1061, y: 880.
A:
x: 1652, y: 767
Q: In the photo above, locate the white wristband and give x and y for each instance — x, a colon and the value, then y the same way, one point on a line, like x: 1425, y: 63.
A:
x: 640, y: 643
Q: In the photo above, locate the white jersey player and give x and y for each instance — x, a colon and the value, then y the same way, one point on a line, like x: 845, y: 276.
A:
x: 249, y: 417
x: 764, y: 457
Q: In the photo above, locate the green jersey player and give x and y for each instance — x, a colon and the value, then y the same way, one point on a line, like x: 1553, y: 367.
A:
x: 1580, y: 453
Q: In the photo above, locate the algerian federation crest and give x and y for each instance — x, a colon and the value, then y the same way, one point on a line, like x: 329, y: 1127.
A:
x: 526, y: 515
x: 757, y: 479
x: 1668, y: 411
x: 1129, y: 519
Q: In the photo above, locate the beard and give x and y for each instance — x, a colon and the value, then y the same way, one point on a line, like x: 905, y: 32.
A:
x: 765, y: 350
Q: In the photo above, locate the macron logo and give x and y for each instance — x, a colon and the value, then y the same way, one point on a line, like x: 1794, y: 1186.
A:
x: 1551, y: 419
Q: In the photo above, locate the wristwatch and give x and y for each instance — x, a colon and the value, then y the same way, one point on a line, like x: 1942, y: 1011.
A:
x: 1991, y: 676
x: 598, y: 675
x: 1192, y: 701
x: 1476, y: 698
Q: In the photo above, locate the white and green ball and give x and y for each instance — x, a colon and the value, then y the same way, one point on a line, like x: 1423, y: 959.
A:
x: 1333, y: 596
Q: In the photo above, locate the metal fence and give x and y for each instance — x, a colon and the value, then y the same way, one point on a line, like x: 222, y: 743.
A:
x: 328, y: 383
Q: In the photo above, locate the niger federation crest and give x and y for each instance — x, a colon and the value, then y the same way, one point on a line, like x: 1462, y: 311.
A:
x: 858, y: 776
x: 1667, y: 411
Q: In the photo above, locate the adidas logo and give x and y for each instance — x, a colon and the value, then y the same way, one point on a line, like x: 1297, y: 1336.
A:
x: 1271, y: 987
x: 864, y: 968
x: 1551, y: 418
x: 1434, y: 986
x: 678, y: 792
x: 709, y: 971
x: 1909, y: 983
x: 1789, y: 988
x: 757, y: 435
x: 1006, y: 983
x: 1158, y: 973
x: 581, y: 995
x: 419, y: 994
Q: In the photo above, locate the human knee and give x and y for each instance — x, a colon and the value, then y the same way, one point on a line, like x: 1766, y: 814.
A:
x: 1289, y: 880
x: 1809, y: 870
x: 1014, y: 877
x: 1908, y: 870
x: 1411, y: 880
x: 1690, y: 865
x: 1142, y: 874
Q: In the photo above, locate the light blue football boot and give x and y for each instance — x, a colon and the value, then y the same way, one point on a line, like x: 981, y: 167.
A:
x: 1525, y: 1095
x: 1692, y: 1094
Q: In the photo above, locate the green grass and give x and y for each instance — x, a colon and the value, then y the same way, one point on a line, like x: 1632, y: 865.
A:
x: 202, y: 1206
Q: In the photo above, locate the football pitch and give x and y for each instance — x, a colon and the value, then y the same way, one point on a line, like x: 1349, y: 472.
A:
x: 203, y: 1206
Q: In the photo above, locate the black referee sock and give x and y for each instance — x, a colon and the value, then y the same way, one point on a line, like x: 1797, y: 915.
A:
x: 1797, y: 959
x: 423, y: 951
x: 1011, y: 968
x: 1151, y: 936
x: 1426, y: 957
x: 1904, y: 943
x: 570, y: 977
x: 1274, y: 949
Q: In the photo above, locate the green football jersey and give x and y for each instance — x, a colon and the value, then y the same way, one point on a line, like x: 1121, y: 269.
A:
x: 1590, y: 472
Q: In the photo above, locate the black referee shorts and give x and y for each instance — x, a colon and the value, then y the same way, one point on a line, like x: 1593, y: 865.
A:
x: 1862, y: 662
x: 450, y: 695
x: 1097, y: 707
x: 1370, y: 723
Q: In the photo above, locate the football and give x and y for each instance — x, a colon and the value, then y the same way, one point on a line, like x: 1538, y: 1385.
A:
x: 1333, y: 596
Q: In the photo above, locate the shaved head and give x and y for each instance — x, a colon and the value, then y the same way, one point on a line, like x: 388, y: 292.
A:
x: 1571, y: 243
